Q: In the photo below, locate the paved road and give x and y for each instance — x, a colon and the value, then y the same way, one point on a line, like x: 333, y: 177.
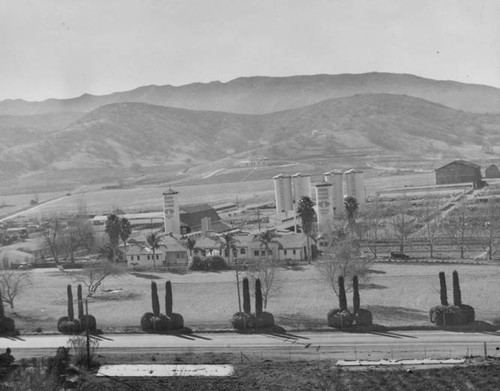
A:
x: 295, y: 346
x: 31, y: 209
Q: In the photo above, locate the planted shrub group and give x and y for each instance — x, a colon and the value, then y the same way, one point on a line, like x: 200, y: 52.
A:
x: 215, y: 262
x: 86, y: 321
x: 156, y: 322
x: 341, y: 317
x: 7, y: 325
x: 68, y: 324
x: 260, y: 320
x: 451, y: 315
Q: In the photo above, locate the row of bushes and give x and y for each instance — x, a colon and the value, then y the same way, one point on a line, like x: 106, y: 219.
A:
x: 69, y: 324
x: 447, y: 314
x: 157, y: 322
x: 209, y: 263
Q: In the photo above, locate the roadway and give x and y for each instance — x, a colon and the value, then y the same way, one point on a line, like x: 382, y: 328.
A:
x: 332, y: 345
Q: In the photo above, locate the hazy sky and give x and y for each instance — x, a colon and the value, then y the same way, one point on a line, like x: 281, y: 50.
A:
x: 64, y: 48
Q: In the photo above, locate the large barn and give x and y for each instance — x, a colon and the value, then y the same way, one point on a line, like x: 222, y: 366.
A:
x: 492, y: 171
x: 459, y: 171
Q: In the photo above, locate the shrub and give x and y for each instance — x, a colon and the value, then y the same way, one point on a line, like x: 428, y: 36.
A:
x: 445, y: 315
x: 342, y: 295
x: 457, y: 295
x: 340, y: 319
x: 79, y: 345
x: 442, y: 290
x: 79, y: 296
x: 264, y: 320
x: 356, y: 301
x: 146, y: 323
x: 177, y: 321
x: 258, y: 297
x: 2, y: 311
x: 71, y: 311
x: 244, y: 321
x: 154, y: 298
x: 168, y: 298
x: 198, y: 264
x: 70, y: 326
x: 363, y: 317
x: 246, y: 296
x: 88, y: 321
x: 7, y: 325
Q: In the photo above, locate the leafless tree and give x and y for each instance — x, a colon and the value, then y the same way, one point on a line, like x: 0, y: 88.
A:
x: 12, y: 283
x: 93, y: 274
x: 458, y: 228
x: 402, y: 223
x: 488, y: 227
x: 267, y: 270
x: 432, y: 221
x: 342, y: 258
x: 51, y: 232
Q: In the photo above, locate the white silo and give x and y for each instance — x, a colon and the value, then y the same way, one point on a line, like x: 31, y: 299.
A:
x: 336, y: 178
x: 355, y: 185
x: 171, y: 216
x: 324, y: 207
x: 301, y: 186
x: 283, y: 193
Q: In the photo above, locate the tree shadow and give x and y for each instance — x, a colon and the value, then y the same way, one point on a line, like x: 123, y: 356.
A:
x: 398, y: 312
x: 477, y: 326
x: 371, y: 286
x: 146, y: 276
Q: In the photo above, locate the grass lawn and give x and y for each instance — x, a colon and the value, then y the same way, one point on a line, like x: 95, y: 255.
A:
x: 398, y: 295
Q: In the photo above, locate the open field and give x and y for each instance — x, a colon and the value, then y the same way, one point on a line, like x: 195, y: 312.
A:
x: 398, y: 295
x: 150, y: 198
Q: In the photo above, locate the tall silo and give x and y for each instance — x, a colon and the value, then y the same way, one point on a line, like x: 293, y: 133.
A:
x: 283, y: 193
x: 301, y: 186
x: 355, y: 185
x: 336, y: 178
x: 324, y: 207
x: 171, y: 216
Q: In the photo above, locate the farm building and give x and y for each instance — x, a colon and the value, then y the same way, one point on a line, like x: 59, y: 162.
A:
x: 492, y: 171
x: 170, y: 254
x: 15, y: 258
x: 459, y: 171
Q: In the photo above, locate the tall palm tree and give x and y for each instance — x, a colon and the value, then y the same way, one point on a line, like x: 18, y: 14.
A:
x: 307, y: 214
x: 351, y: 206
x: 154, y: 240
x: 190, y: 244
x: 125, y: 230
x: 110, y: 253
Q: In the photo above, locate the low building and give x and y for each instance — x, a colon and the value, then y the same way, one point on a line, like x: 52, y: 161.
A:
x: 492, y: 171
x: 459, y: 171
x: 170, y: 254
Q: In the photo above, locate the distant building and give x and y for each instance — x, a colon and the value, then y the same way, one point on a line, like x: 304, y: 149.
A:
x: 355, y: 185
x: 492, y: 171
x: 254, y: 161
x: 170, y: 254
x: 283, y: 193
x: 15, y: 258
x: 459, y: 171
x: 324, y: 207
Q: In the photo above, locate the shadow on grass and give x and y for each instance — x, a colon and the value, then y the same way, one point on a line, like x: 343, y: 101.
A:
x: 373, y: 271
x: 13, y: 336
x: 477, y: 326
x: 399, y: 313
x: 301, y: 321
x: 146, y: 276
x: 116, y: 296
x: 371, y: 286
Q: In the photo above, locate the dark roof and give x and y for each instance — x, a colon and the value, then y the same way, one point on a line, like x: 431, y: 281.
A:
x: 462, y: 162
x: 191, y: 215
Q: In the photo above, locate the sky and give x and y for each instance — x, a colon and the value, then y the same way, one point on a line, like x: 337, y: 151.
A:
x: 65, y: 48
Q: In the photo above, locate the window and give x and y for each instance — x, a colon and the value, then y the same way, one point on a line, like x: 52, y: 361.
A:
x: 284, y: 251
x: 242, y: 251
x: 263, y: 253
x: 256, y: 253
x: 157, y: 256
x: 293, y: 252
x: 149, y: 257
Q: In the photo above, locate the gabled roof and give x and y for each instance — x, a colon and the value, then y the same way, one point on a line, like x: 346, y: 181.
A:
x: 462, y: 162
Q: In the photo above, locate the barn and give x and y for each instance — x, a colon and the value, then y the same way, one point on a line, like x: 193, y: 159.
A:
x: 492, y: 171
x: 459, y: 171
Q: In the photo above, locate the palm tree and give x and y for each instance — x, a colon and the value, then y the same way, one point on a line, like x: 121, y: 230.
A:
x: 154, y: 240
x: 113, y: 229
x: 125, y: 230
x: 351, y: 206
x: 307, y: 214
x: 191, y: 245
x: 229, y: 245
x: 266, y: 238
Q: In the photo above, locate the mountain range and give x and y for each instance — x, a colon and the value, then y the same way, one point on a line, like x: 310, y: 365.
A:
x: 293, y: 118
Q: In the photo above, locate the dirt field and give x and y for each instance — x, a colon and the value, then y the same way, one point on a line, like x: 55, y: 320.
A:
x: 398, y: 295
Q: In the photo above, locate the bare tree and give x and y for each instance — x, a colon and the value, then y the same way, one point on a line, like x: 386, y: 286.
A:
x: 95, y: 273
x: 268, y: 272
x: 458, y: 229
x: 12, y: 283
x: 342, y: 258
x: 371, y: 228
x: 431, y: 221
x: 488, y: 227
x: 402, y: 223
x: 51, y: 232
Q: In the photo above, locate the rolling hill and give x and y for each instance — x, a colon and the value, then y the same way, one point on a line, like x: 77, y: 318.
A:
x: 120, y: 134
x: 259, y: 95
